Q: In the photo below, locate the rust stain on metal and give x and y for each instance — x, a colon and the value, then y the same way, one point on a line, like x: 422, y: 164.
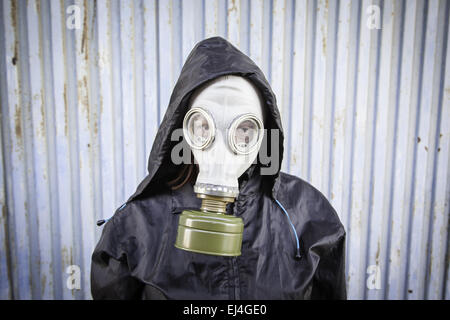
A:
x: 324, y: 43
x: 13, y: 14
x: 42, y: 124
x: 108, y: 8
x: 84, y: 97
x: 43, y: 282
x: 10, y: 265
x: 95, y: 123
x: 94, y: 17
x: 131, y: 15
x: 322, y: 28
x: 169, y: 22
x: 377, y: 255
x: 233, y: 7
x: 14, y: 25
x: 430, y: 267
x: 66, y: 255
x: 18, y: 124
x: 101, y: 104
x: 38, y: 6
x: 84, y: 46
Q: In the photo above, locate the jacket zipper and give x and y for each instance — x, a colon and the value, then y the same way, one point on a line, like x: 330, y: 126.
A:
x: 235, y: 278
x: 235, y: 269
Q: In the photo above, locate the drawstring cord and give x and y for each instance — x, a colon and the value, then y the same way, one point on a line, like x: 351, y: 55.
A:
x: 297, y: 255
x: 103, y: 221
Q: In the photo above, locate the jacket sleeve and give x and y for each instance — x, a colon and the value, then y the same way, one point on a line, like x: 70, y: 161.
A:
x: 110, y: 274
x: 329, y: 279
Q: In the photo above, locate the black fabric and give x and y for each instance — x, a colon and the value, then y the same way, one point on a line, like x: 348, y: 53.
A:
x: 136, y: 257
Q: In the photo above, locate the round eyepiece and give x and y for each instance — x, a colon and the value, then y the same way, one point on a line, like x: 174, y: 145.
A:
x: 245, y: 134
x: 198, y: 128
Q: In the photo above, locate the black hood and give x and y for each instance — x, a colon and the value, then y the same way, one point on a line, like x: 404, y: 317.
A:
x: 210, y: 59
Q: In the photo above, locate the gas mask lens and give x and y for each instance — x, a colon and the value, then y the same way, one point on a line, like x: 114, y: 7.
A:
x: 245, y: 133
x: 198, y: 128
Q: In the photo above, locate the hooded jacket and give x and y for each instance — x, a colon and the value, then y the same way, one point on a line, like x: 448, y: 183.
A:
x: 135, y: 257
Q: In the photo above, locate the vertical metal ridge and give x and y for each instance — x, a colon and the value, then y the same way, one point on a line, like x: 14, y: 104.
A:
x: 85, y: 103
x: 389, y: 248
x: 51, y: 277
x: 352, y: 147
x: 107, y: 176
x: 203, y: 24
x: 158, y: 71
x: 432, y: 127
x: 6, y: 245
x: 291, y: 88
x: 341, y: 110
x: 62, y: 162
x: 225, y: 15
x: 151, y: 74
x: 444, y: 170
x: 265, y: 37
x: 177, y: 40
x: 139, y: 90
x: 414, y: 161
x: 440, y: 66
x: 27, y: 121
x: 116, y: 100
x: 72, y: 131
x: 312, y: 12
x: 374, y: 117
x: 269, y: 40
x: 298, y: 94
x: 11, y: 113
x: 249, y: 23
x: 333, y: 102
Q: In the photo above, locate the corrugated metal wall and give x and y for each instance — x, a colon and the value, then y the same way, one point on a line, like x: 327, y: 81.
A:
x: 365, y: 104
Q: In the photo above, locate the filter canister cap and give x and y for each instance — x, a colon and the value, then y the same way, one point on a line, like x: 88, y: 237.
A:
x: 208, y: 233
x: 211, y: 222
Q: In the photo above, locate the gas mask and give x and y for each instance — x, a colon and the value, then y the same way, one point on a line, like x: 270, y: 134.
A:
x: 224, y: 128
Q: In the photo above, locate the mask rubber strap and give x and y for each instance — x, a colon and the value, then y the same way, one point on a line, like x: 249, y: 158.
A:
x: 297, y: 255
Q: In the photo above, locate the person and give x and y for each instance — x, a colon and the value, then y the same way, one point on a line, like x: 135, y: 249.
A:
x: 293, y: 242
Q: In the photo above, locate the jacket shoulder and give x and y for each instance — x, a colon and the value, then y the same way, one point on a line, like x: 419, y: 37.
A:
x: 308, y: 202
